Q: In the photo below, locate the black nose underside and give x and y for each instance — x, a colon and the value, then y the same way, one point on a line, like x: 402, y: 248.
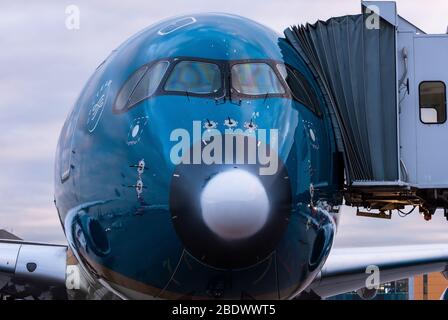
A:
x: 187, y: 186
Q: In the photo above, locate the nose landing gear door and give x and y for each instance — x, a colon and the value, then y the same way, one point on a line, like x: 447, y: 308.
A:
x: 431, y: 77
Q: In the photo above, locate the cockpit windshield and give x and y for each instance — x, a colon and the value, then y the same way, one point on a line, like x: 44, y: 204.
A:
x: 300, y: 88
x: 141, y: 85
x: 194, y: 77
x: 216, y: 79
x: 255, y: 78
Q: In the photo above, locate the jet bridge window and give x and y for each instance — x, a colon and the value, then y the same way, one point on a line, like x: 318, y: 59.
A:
x: 141, y: 85
x: 432, y: 102
x: 255, y: 79
x: 194, y: 77
x: 300, y: 88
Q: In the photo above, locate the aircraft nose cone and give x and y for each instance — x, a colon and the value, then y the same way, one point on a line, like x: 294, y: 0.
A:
x: 234, y: 205
x: 227, y: 216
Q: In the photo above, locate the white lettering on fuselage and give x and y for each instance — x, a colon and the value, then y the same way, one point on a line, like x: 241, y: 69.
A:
x: 97, y: 107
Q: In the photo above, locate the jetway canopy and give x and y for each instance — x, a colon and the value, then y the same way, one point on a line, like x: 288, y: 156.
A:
x: 355, y: 65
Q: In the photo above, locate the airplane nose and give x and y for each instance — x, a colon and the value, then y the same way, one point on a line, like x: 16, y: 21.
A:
x: 234, y: 205
x: 229, y: 216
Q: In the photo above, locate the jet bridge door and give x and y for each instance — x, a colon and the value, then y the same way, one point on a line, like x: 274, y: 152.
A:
x: 431, y: 79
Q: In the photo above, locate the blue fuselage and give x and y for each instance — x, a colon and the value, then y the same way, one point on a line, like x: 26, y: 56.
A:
x: 136, y: 218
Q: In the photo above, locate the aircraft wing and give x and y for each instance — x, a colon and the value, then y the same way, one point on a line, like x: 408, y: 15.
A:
x: 345, y: 269
x: 34, y: 270
x: 38, y: 270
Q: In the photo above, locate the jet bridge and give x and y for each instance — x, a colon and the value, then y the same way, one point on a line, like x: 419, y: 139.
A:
x: 384, y: 80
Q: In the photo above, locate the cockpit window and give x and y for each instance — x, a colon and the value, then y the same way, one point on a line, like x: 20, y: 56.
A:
x: 126, y: 92
x: 216, y: 79
x: 255, y: 78
x: 149, y: 83
x: 141, y: 85
x: 282, y: 69
x: 300, y: 87
x: 194, y: 77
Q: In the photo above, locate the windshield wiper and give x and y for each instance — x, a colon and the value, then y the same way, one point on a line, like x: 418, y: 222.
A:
x: 265, y: 97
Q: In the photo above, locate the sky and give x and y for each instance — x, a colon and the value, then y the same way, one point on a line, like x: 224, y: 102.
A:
x: 44, y: 65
